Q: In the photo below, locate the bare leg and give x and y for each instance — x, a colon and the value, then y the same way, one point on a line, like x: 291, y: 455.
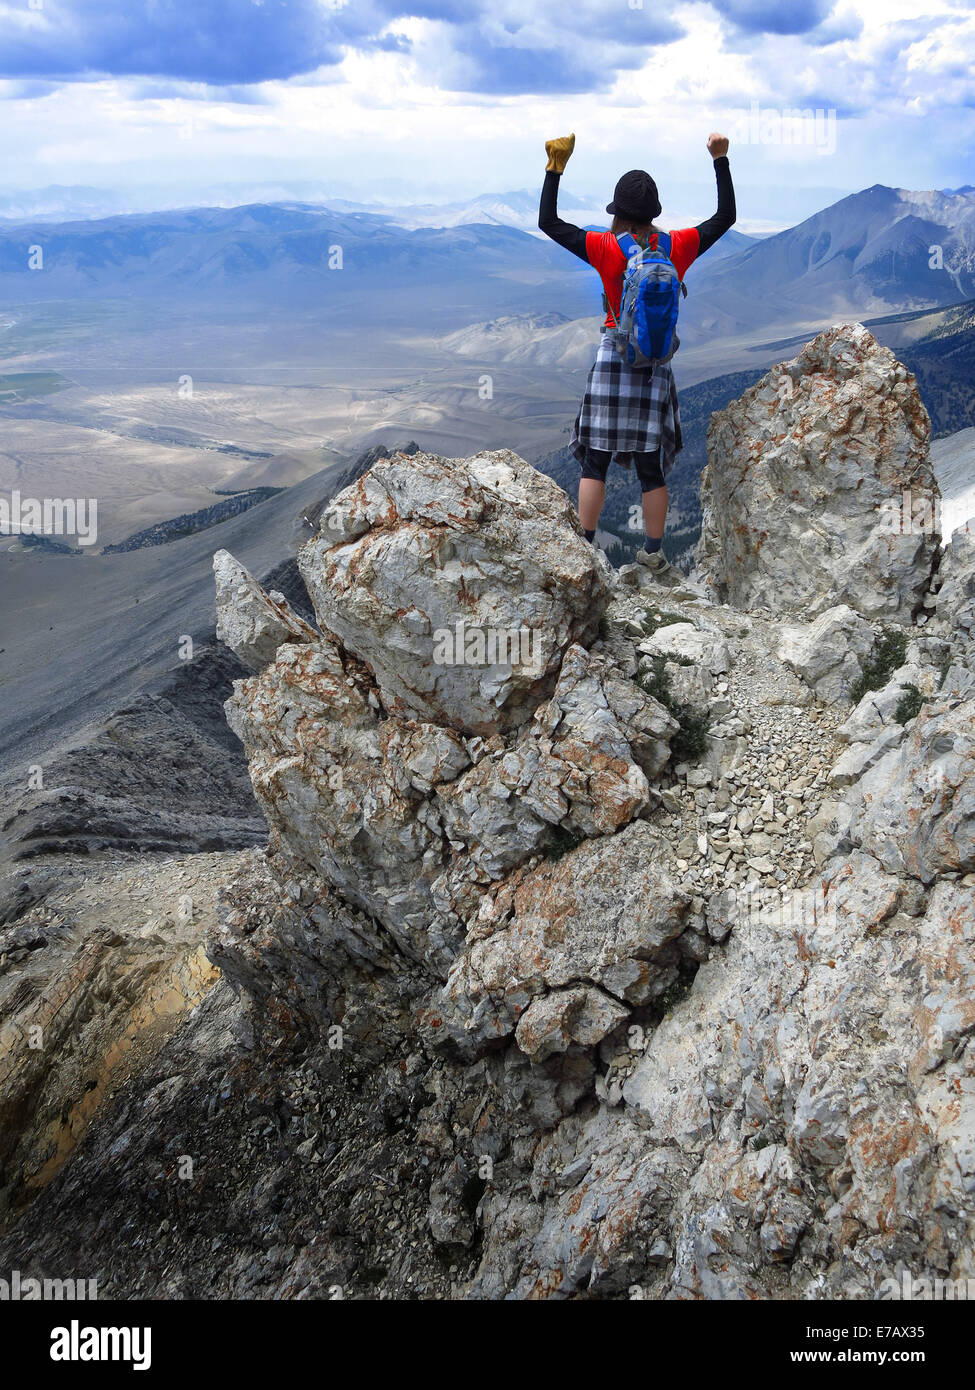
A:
x: 654, y: 512
x: 592, y: 495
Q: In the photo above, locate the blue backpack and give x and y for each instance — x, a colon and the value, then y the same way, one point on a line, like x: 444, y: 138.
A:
x: 646, y: 330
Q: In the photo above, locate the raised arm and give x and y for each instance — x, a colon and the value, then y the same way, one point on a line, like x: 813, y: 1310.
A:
x: 716, y: 226
x: 571, y: 237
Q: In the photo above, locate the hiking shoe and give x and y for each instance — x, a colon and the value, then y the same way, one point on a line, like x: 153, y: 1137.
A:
x: 657, y: 562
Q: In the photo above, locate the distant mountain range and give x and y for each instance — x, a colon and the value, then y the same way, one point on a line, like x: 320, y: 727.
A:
x: 515, y: 208
x: 875, y: 252
x: 276, y: 254
x: 878, y: 251
x: 59, y: 202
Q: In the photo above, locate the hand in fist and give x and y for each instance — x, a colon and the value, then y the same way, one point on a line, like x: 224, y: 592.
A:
x: 558, y: 151
x: 717, y: 145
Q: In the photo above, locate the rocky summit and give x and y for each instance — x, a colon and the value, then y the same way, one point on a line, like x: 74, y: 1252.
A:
x: 615, y: 933
x: 811, y: 474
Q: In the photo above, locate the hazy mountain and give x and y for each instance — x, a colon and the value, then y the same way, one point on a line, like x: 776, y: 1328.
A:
x: 867, y: 254
x: 262, y: 249
x: 518, y: 208
x: 59, y: 201
x: 549, y: 340
x: 514, y: 209
x: 731, y: 244
x: 879, y: 250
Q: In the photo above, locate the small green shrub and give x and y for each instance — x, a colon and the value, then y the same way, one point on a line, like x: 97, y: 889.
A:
x: 690, y: 741
x: 656, y: 682
x: 656, y: 618
x: 563, y: 842
x: 889, y: 651
x: 909, y: 704
x: 674, y: 994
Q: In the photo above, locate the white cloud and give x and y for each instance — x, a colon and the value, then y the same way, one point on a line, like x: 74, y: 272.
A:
x: 902, y: 86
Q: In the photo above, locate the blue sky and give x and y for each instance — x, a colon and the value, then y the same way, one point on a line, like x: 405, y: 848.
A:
x: 410, y: 100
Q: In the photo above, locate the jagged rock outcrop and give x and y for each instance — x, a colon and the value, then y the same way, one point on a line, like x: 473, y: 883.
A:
x: 829, y: 652
x: 740, y: 1134
x: 651, y: 974
x: 409, y: 819
x: 807, y: 491
x: 914, y: 810
x: 954, y: 603
x: 721, y: 1145
x: 252, y: 623
x: 481, y: 562
x: 599, y: 927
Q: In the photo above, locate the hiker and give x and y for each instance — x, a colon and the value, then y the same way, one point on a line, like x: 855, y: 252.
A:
x: 631, y: 411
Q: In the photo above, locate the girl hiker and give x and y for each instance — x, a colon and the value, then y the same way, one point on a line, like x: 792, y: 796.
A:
x: 630, y: 411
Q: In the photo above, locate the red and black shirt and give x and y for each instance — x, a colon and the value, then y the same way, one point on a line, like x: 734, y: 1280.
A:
x: 602, y: 251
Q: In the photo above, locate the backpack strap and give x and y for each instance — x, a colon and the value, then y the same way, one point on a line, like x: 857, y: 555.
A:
x: 627, y: 244
x: 665, y: 244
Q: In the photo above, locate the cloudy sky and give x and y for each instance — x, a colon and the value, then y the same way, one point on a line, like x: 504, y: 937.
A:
x: 409, y: 100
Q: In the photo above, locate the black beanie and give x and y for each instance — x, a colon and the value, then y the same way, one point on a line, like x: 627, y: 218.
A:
x: 635, y: 195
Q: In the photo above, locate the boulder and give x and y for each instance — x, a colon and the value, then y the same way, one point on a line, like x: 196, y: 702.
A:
x: 804, y: 491
x: 877, y: 708
x: 915, y: 810
x: 330, y: 778
x: 250, y: 622
x: 860, y: 757
x: 690, y: 644
x: 461, y: 583
x: 602, y: 916
x: 828, y: 653
x: 955, y: 604
x: 582, y: 765
x: 553, y: 1022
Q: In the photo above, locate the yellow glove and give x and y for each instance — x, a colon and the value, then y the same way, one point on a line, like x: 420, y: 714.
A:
x: 558, y: 151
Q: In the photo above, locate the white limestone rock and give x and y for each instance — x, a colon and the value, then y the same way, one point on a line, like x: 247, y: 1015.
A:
x: 803, y: 489
x: 250, y: 622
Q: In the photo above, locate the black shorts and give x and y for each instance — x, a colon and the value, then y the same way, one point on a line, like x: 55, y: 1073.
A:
x: 647, y: 467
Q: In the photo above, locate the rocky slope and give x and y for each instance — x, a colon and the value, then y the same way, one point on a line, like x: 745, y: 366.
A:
x: 610, y: 936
